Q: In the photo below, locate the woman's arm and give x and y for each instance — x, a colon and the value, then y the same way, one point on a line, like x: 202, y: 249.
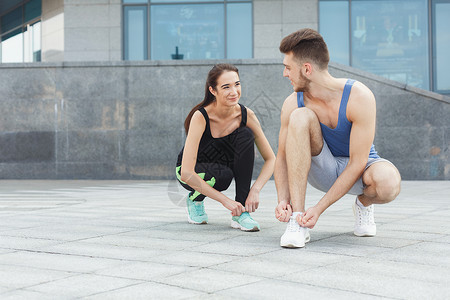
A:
x: 188, y: 174
x: 267, y: 154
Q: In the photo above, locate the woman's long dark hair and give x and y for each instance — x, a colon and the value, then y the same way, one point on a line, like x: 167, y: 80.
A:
x: 211, y: 80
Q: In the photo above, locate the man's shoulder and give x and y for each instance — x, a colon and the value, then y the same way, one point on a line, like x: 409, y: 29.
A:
x: 361, y: 90
x: 290, y: 101
x: 292, y: 98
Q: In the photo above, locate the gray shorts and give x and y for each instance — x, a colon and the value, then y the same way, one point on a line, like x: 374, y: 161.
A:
x: 325, y: 169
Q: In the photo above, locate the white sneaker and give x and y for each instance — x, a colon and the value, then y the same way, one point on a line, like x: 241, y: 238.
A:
x: 295, y: 236
x: 364, y: 220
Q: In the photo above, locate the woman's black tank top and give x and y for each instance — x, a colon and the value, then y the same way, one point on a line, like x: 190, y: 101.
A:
x: 222, y: 150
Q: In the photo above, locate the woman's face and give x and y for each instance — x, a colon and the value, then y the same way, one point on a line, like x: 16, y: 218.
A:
x: 228, y: 89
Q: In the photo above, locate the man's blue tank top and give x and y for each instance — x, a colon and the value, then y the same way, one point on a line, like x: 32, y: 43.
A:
x: 338, y: 139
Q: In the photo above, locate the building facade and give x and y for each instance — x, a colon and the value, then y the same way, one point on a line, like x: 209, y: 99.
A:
x: 402, y: 40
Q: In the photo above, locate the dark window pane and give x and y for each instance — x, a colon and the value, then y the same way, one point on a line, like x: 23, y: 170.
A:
x: 239, y: 30
x: 11, y: 20
x: 135, y: 32
x: 32, y: 10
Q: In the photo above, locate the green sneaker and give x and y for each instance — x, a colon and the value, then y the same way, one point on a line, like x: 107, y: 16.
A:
x: 196, y: 212
x: 244, y: 222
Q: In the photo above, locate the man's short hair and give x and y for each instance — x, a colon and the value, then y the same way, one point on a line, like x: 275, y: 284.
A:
x: 307, y: 44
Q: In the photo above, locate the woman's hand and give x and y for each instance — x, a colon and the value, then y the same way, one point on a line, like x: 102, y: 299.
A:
x: 236, y: 208
x: 252, y: 201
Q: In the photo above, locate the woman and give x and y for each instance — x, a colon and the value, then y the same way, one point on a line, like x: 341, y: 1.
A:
x: 219, y: 147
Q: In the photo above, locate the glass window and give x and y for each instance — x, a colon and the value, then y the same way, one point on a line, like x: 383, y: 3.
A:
x: 390, y: 38
x: 32, y: 10
x: 20, y: 36
x: 177, y: 1
x: 135, y: 1
x: 189, y: 29
x: 442, y: 45
x: 197, y: 31
x: 334, y: 27
x: 135, y: 32
x: 12, y: 47
x: 239, y: 30
x: 32, y: 43
x: 11, y: 20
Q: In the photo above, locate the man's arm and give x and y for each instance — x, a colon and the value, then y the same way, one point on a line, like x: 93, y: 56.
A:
x: 361, y: 111
x: 280, y: 172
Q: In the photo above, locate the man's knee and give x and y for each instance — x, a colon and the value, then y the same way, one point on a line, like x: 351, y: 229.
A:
x: 302, y: 118
x: 387, y: 184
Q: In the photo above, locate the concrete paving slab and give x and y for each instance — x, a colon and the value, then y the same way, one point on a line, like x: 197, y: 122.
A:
x: 200, y: 280
x: 131, y: 240
x: 82, y: 285
x: 18, y: 277
x: 279, y: 289
x: 145, y: 270
x: 147, y: 290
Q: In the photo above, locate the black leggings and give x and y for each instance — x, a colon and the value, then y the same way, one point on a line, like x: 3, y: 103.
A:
x: 219, y: 176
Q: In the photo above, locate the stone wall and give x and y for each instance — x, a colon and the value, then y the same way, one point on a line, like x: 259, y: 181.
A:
x: 124, y: 120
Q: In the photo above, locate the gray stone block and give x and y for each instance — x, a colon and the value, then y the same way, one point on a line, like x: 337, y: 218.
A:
x: 24, y: 83
x: 89, y: 83
x: 27, y: 147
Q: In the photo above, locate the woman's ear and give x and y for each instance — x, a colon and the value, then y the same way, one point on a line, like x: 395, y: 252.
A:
x: 212, y: 91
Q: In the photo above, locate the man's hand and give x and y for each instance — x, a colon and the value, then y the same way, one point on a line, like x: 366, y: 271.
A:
x: 309, y: 218
x: 283, y: 211
x: 252, y: 201
x: 236, y: 208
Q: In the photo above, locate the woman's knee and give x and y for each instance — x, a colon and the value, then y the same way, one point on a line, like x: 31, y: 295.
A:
x: 216, y: 175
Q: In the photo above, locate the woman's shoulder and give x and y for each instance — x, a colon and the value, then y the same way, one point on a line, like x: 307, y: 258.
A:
x: 198, y: 118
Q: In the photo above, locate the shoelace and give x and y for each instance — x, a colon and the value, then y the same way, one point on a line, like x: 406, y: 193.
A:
x: 200, y: 209
x: 365, y: 215
x: 293, y: 225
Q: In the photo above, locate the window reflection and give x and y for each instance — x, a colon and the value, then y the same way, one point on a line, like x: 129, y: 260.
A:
x: 197, y: 30
x: 188, y: 29
x: 442, y: 46
x: 389, y: 38
x: 334, y: 24
x: 135, y: 32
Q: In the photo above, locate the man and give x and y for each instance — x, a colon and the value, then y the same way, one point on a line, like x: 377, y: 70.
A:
x: 326, y: 136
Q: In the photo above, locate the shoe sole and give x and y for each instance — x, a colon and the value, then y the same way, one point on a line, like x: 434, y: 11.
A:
x: 364, y: 234
x: 292, y: 245
x: 361, y: 234
x: 236, y: 225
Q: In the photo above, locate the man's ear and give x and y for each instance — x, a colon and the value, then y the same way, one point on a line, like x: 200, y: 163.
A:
x: 308, y: 69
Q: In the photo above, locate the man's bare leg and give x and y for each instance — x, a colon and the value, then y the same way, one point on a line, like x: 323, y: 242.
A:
x: 304, y: 139
x: 382, y: 182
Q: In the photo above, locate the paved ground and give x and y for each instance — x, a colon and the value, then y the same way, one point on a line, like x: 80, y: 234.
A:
x: 131, y: 240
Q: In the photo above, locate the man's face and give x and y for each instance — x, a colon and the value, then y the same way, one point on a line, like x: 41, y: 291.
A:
x: 293, y: 71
